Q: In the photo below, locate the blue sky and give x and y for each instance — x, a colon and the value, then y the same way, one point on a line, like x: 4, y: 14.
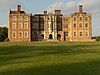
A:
x: 67, y: 7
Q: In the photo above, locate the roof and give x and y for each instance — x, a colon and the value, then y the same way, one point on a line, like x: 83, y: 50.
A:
x: 16, y: 12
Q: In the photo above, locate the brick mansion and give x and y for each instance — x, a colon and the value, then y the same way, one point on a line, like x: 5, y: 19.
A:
x: 49, y: 26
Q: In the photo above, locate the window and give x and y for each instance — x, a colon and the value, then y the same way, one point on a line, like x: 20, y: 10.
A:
x: 20, y: 18
x: 66, y: 25
x: 14, y: 25
x: 81, y: 34
x: 86, y: 25
x: 20, y: 25
x: 14, y: 18
x: 86, y: 33
x: 74, y: 18
x: 81, y: 19
x: 14, y: 34
x: 20, y: 34
x: 74, y: 25
x: 26, y: 34
x: 66, y: 33
x: 25, y: 18
x: 86, y: 18
x: 74, y: 33
x: 80, y: 25
x: 26, y: 25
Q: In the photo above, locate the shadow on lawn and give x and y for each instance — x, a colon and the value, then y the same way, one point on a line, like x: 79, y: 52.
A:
x: 21, y: 52
x: 78, y: 68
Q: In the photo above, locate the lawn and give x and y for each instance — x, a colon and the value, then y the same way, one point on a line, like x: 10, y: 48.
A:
x: 50, y: 58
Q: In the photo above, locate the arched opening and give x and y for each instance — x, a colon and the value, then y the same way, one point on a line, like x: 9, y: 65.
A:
x: 59, y: 37
x: 42, y: 36
x: 50, y: 36
x: 35, y: 36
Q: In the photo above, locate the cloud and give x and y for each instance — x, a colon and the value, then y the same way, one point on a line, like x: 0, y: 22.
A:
x: 67, y: 7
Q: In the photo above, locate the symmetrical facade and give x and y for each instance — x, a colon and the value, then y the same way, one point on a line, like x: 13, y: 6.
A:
x: 19, y: 26
x: 49, y: 26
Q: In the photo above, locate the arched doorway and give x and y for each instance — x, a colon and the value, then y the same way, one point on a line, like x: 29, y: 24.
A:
x: 59, y: 37
x: 35, y: 36
x: 42, y: 36
x: 50, y: 36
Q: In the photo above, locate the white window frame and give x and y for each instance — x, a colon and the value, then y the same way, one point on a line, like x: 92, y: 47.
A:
x: 14, y: 25
x: 26, y: 25
x: 19, y: 34
x: 20, y: 25
x: 14, y: 32
x: 25, y: 18
x: 26, y: 32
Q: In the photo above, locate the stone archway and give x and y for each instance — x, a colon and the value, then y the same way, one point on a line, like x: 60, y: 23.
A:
x: 42, y: 36
x: 50, y: 36
x: 59, y: 37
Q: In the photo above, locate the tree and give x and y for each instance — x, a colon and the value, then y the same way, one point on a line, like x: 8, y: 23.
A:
x: 3, y: 33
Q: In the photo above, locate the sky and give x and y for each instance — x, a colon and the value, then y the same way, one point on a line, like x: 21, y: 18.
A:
x: 67, y: 6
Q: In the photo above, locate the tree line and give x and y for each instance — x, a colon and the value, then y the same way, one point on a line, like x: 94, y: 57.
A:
x: 3, y: 34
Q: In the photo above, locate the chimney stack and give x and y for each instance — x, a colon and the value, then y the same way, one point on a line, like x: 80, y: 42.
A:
x: 80, y: 8
x: 18, y: 8
x: 57, y: 12
x: 45, y: 12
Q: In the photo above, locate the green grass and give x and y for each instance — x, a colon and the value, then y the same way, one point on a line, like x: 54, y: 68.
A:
x: 50, y: 58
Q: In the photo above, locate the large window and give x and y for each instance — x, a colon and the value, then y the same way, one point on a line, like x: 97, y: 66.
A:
x: 20, y: 34
x: 20, y: 25
x: 14, y: 34
x: 75, y: 19
x: 81, y: 18
x: 86, y: 18
x: 66, y: 33
x: 20, y: 18
x: 75, y: 34
x: 75, y: 25
x: 26, y: 25
x: 86, y: 25
x: 80, y: 25
x: 14, y: 25
x: 86, y: 33
x: 26, y: 34
x: 25, y: 18
x: 14, y: 18
x: 66, y: 26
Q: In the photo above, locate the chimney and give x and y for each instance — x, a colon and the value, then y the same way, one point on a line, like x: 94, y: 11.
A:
x: 45, y: 12
x: 57, y: 12
x: 18, y: 8
x: 80, y: 8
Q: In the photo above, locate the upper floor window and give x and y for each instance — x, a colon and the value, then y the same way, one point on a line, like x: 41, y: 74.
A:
x: 66, y: 33
x: 75, y: 25
x: 25, y: 18
x: 86, y: 18
x: 20, y: 25
x: 14, y: 18
x: 20, y: 18
x: 26, y: 25
x: 81, y: 18
x: 14, y: 25
x: 74, y: 18
x: 66, y: 25
x: 80, y: 25
x: 86, y: 25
